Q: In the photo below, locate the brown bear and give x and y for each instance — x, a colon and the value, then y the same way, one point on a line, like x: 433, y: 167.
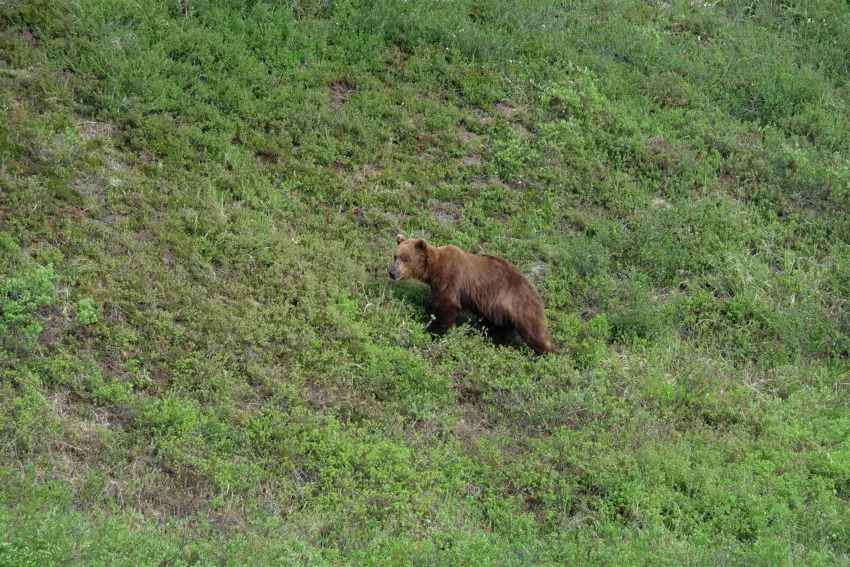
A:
x: 493, y: 288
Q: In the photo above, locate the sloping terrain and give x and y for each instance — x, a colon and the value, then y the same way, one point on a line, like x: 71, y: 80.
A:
x: 203, y: 361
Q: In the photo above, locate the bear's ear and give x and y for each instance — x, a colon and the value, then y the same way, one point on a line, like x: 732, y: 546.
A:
x: 420, y: 245
x: 400, y: 238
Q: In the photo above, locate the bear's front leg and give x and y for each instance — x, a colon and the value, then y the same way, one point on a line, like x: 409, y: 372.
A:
x: 445, y: 313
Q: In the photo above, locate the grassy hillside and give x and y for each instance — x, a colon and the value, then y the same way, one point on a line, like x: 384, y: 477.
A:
x: 203, y: 361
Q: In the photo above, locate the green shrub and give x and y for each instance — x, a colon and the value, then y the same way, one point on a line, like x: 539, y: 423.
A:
x: 21, y: 299
x: 87, y: 313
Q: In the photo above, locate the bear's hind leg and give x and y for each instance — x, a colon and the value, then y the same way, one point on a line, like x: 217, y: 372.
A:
x: 500, y: 335
x: 539, y: 341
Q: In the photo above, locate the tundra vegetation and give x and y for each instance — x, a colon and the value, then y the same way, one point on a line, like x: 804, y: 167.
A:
x: 203, y: 361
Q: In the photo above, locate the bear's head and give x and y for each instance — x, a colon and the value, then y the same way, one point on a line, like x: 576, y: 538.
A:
x: 410, y: 259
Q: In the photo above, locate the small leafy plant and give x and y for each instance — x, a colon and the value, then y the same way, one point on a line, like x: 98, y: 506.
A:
x: 87, y: 312
x: 21, y: 298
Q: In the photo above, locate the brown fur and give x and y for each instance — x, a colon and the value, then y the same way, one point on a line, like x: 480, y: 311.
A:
x: 460, y: 280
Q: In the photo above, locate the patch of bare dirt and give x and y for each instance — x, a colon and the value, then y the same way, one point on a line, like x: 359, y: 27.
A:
x: 506, y: 109
x: 268, y: 159
x: 368, y: 171
x: 81, y: 438
x: 539, y: 271
x: 428, y: 137
x: 660, y: 145
x: 473, y: 425
x: 93, y: 130
x: 659, y: 203
x: 521, y: 129
x: 92, y: 187
x: 466, y: 135
x: 168, y: 257
x: 340, y: 93
x: 663, y: 154
x: 335, y: 400
x: 353, y: 212
x: 518, y: 183
x: 111, y: 219
x: 29, y: 38
x: 488, y: 180
x: 448, y: 211
x: 727, y: 182
x: 473, y: 160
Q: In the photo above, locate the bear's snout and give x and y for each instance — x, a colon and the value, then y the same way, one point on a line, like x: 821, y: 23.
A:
x: 394, y: 273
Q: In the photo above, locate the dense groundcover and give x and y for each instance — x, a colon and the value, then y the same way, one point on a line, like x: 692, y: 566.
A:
x: 203, y: 361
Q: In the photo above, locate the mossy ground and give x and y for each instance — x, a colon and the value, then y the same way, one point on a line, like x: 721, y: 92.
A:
x: 203, y: 362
